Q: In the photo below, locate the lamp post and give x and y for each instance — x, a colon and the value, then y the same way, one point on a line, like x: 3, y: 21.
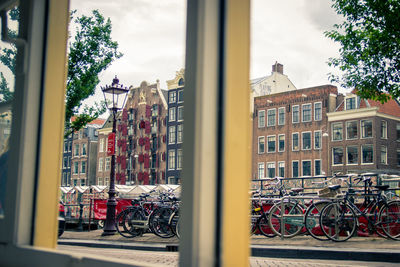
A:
x: 114, y: 96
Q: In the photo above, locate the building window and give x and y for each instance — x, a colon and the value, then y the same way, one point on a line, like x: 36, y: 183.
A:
x: 351, y: 130
x: 367, y: 154
x: 281, y: 116
x: 65, y: 146
x: 100, y: 180
x: 76, y: 154
x: 383, y: 154
x: 295, y: 114
x: 337, y: 155
x: 180, y: 96
x: 306, y: 168
x: 180, y: 133
x: 261, y: 144
x: 101, y: 164
x: 180, y: 113
x: 366, y: 128
x: 172, y: 114
x: 260, y: 170
x: 172, y: 97
x: 271, y: 117
x: 75, y: 182
x: 83, y: 167
x: 281, y: 169
x: 171, y: 135
x: 271, y: 169
x: 317, y: 140
x: 398, y: 157
x: 318, y: 111
x: 83, y: 182
x: 350, y: 103
x: 306, y: 140
x: 271, y: 143
x: 295, y: 168
x: 108, y: 164
x: 171, y: 159
x: 101, y: 144
x: 83, y: 149
x: 295, y: 141
x: 352, y: 155
x: 317, y: 167
x: 337, y: 131
x: 398, y: 131
x: 76, y: 167
x: 261, y: 118
x: 179, y: 159
x: 281, y: 143
x: 70, y: 146
x: 65, y: 162
x: 306, y: 111
x: 384, y: 129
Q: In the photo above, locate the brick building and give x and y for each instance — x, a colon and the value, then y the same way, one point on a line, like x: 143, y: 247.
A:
x: 289, y: 132
x: 66, y: 161
x: 103, y: 161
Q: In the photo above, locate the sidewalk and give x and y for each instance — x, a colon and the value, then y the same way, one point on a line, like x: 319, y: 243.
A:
x: 300, y: 247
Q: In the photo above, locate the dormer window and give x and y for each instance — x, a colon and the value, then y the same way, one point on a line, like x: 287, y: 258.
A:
x: 351, y: 103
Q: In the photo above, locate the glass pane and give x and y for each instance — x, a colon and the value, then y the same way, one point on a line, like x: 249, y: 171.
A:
x: 7, y: 80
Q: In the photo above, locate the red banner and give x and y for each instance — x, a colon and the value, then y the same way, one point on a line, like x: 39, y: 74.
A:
x: 111, y: 144
x: 100, y: 207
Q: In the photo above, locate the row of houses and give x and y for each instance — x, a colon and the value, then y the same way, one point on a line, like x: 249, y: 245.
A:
x: 296, y: 133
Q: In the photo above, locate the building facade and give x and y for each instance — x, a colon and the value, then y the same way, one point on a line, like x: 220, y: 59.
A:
x: 103, y: 160
x: 66, y: 163
x: 175, y: 127
x: 289, y: 132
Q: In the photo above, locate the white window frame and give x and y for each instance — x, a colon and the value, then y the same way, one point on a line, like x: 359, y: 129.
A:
x: 171, y: 133
x: 302, y: 168
x: 101, y: 145
x: 179, y: 159
x: 386, y: 155
x: 298, y: 169
x: 261, y: 124
x: 76, y: 167
x: 302, y: 140
x: 284, y: 115
x: 101, y: 165
x: 258, y: 144
x: 332, y: 127
x: 172, y: 97
x: 261, y: 164
x: 347, y: 135
x: 347, y: 155
x: 279, y: 169
x: 298, y: 142
x: 362, y: 130
x: 319, y: 132
x: 268, y: 122
x: 178, y: 112
x: 315, y: 113
x: 83, y: 163
x: 84, y: 149
x: 298, y: 114
x: 315, y: 166
x: 79, y: 148
x: 172, y: 114
x: 384, y: 135
x: 267, y: 171
x: 302, y: 112
x: 333, y: 156
x: 172, y: 159
x: 107, y: 164
x: 362, y: 156
x: 284, y: 143
x: 268, y: 145
x: 179, y: 134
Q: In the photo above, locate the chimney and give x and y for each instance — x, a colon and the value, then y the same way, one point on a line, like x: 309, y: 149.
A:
x: 277, y: 67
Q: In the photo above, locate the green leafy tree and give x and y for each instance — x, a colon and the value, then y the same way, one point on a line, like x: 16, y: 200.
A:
x: 370, y: 47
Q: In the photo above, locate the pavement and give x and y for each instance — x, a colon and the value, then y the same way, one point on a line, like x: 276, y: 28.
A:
x: 365, y: 249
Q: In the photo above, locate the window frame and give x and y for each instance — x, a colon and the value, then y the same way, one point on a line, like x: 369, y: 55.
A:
x: 258, y: 144
x: 362, y: 129
x: 302, y: 167
x: 386, y: 155
x: 272, y: 163
x: 279, y: 143
x: 298, y: 141
x: 298, y: 169
x: 315, y: 113
x: 279, y: 116
x: 302, y: 140
x: 315, y: 166
x: 347, y: 132
x: 318, y: 132
x: 362, y: 154
x: 279, y: 169
x: 333, y: 156
x: 268, y: 136
x: 347, y: 155
x: 332, y: 131
x: 303, y: 114
x: 259, y: 118
x: 268, y: 116
x: 384, y: 134
x: 258, y: 170
x: 298, y: 114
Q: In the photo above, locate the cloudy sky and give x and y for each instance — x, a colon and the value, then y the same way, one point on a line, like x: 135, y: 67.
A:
x: 151, y: 35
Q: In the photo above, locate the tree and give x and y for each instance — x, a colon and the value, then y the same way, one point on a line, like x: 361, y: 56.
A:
x: 91, y: 52
x: 370, y: 47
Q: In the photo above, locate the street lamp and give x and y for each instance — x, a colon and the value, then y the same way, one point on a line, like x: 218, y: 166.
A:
x: 114, y: 96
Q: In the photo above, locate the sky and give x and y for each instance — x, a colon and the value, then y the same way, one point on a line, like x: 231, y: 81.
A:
x: 151, y: 35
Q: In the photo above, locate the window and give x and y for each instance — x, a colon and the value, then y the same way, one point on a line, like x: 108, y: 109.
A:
x: 271, y: 143
x: 180, y: 133
x: 295, y: 141
x: 108, y: 164
x: 295, y: 168
x: 317, y: 140
x: 83, y: 149
x: 172, y: 114
x: 172, y: 97
x: 295, y: 114
x: 352, y: 155
x: 281, y: 116
x: 100, y: 180
x: 179, y: 159
x: 337, y: 131
x: 383, y: 154
x: 271, y: 117
x: 180, y: 113
x: 70, y: 146
x: 171, y: 159
x: 384, y: 129
x: 398, y: 131
x: 180, y: 96
x: 317, y: 167
x: 83, y: 182
x: 366, y: 128
x: 281, y: 143
x: 306, y: 111
x: 306, y: 140
x: 83, y: 167
x: 318, y: 111
x: 398, y: 157
x: 65, y: 146
x: 367, y: 154
x: 261, y: 118
x: 351, y: 130
x: 76, y: 167
x: 261, y: 144
x: 260, y: 170
x: 75, y: 182
x: 281, y: 169
x: 171, y: 135
x: 306, y: 168
x: 350, y: 103
x: 76, y: 153
x: 101, y: 164
x: 337, y: 155
x: 271, y: 169
x: 101, y: 145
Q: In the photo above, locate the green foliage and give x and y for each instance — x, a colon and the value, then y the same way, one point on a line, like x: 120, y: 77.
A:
x: 370, y: 47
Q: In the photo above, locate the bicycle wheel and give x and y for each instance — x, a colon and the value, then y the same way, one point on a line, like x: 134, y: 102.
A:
x: 135, y: 222
x: 338, y: 221
x: 373, y: 215
x: 311, y: 220
x: 173, y: 222
x: 263, y: 226
x: 389, y: 218
x: 292, y: 219
x: 159, y: 222
x: 122, y: 230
